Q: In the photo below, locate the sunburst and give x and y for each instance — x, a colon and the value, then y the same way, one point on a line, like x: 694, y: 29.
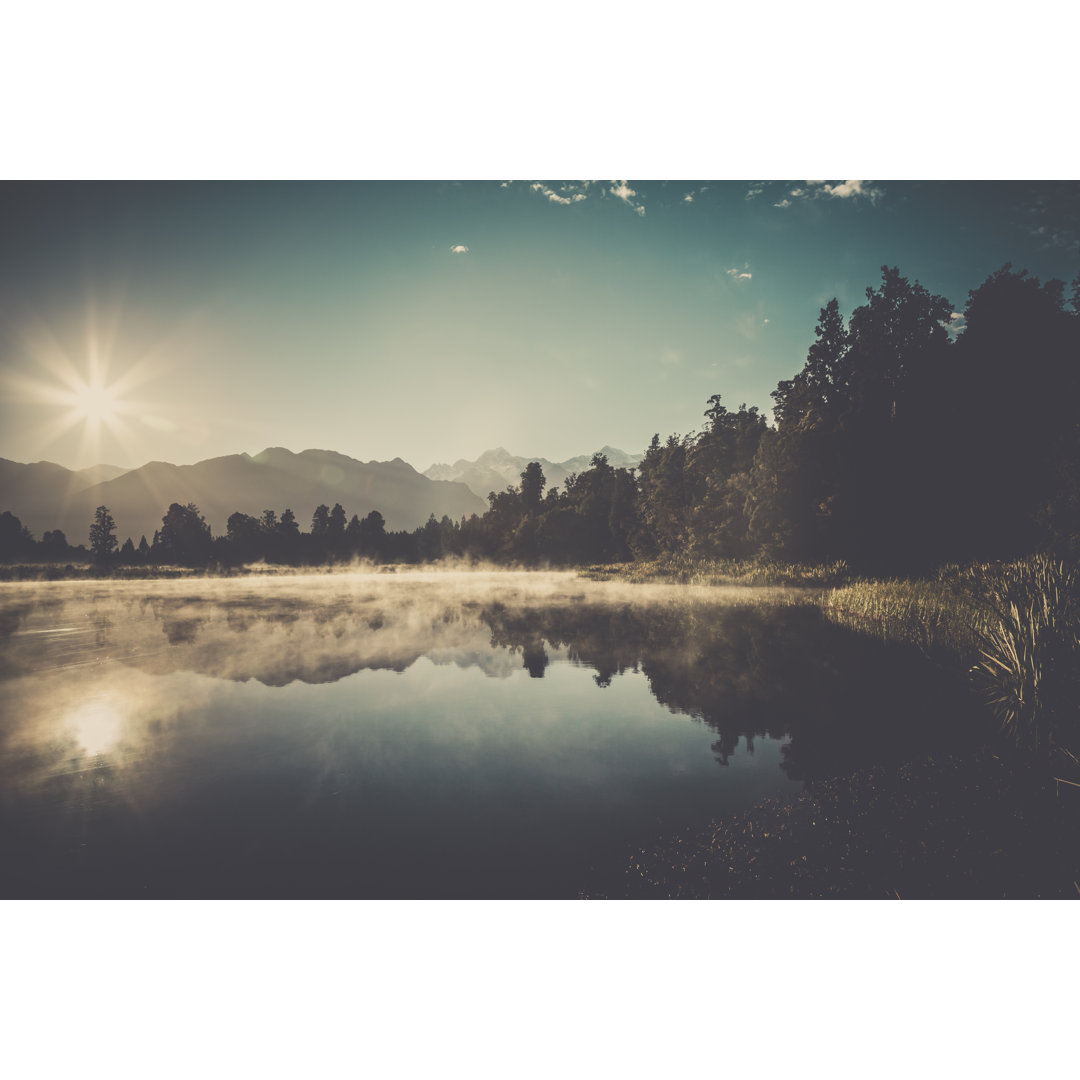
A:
x: 85, y: 392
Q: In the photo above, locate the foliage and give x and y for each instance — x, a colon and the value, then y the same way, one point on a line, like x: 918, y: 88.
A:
x: 184, y: 538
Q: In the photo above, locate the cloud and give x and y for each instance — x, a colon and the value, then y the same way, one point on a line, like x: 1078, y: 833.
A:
x: 740, y: 275
x: 755, y: 191
x: 506, y: 183
x: 1065, y: 239
x: 826, y: 189
x: 622, y: 190
x: 956, y: 323
x: 849, y: 189
x: 459, y: 249
x: 688, y: 198
x: 555, y: 197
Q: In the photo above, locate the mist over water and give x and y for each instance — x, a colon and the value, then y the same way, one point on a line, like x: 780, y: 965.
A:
x: 417, y: 734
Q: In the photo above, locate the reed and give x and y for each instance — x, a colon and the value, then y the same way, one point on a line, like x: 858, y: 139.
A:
x: 1028, y: 638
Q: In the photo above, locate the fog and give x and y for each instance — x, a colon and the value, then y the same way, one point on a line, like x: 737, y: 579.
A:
x: 312, y: 627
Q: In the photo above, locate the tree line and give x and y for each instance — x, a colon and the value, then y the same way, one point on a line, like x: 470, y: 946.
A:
x: 898, y: 446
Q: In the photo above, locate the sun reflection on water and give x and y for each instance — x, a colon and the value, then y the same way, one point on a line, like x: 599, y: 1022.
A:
x: 96, y: 725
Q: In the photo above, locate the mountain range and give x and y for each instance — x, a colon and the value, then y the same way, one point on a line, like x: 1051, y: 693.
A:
x: 494, y: 469
x: 45, y: 496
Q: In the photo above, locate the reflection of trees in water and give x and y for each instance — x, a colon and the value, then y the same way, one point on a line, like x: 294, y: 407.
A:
x: 836, y: 697
x: 748, y: 671
x: 181, y: 631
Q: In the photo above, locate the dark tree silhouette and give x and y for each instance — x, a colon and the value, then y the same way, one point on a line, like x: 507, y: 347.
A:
x: 246, y: 537
x: 371, y: 536
x: 320, y: 520
x: 532, y: 487
x: 184, y: 537
x: 16, y: 540
x: 102, y: 536
x: 54, y: 545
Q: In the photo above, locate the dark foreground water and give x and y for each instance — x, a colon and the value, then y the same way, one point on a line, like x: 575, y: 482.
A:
x: 414, y: 735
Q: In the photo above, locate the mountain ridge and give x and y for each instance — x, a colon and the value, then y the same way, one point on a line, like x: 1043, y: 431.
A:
x: 46, y: 496
x: 496, y: 468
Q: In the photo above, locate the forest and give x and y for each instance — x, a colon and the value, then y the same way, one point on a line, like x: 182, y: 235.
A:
x: 902, y: 444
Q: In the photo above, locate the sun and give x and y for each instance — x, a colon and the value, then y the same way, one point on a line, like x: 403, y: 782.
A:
x: 95, y: 403
x: 85, y: 392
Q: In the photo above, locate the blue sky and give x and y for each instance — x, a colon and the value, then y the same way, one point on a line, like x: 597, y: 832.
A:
x: 432, y: 320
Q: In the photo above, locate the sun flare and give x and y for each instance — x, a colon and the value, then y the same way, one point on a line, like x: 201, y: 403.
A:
x: 96, y: 403
x: 85, y: 391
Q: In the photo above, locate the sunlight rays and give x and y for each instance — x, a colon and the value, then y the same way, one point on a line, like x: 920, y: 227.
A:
x: 86, y: 389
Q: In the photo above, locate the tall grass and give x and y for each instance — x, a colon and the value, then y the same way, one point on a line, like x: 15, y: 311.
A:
x: 1014, y: 626
x: 690, y: 570
x: 927, y: 614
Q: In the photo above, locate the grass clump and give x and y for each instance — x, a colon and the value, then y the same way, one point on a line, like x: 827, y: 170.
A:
x: 1028, y: 639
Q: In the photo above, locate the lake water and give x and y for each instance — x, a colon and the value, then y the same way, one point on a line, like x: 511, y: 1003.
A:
x: 412, y: 735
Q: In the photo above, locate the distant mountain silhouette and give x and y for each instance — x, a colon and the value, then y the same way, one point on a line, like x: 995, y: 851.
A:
x: 494, y: 469
x: 43, y: 492
x: 47, y: 496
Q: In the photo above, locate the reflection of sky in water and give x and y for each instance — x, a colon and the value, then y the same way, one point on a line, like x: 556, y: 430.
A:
x: 343, y: 740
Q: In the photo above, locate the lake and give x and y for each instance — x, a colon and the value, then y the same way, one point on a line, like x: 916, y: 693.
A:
x: 415, y: 734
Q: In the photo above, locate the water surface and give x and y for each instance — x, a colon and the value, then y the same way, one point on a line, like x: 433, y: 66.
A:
x: 410, y: 735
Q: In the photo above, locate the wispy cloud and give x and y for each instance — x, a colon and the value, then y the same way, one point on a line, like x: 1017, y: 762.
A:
x: 459, y: 249
x: 739, y: 275
x: 622, y: 190
x: 688, y: 197
x: 573, y: 195
x: 1050, y: 214
x: 825, y: 189
x: 1065, y: 239
x: 755, y: 190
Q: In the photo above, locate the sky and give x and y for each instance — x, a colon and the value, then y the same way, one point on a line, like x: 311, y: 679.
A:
x: 433, y: 320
